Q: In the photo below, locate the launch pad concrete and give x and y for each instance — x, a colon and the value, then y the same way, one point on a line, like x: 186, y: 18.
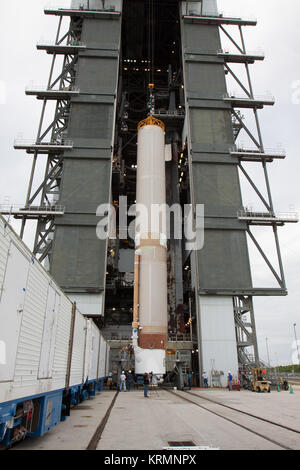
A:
x: 152, y: 423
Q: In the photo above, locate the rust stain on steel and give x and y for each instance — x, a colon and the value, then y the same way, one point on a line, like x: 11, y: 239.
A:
x: 153, y: 341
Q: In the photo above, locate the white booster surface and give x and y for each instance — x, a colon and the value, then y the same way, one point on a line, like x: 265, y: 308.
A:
x: 151, y: 243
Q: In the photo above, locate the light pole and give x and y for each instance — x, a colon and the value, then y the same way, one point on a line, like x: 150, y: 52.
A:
x: 296, y: 343
x: 276, y: 366
x: 268, y: 352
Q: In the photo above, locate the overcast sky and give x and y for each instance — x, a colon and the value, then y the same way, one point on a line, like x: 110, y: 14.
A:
x: 22, y: 24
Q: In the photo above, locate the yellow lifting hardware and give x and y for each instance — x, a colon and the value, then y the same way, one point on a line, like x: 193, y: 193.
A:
x: 151, y: 121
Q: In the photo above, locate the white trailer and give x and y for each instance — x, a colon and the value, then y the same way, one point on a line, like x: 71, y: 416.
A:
x: 50, y: 354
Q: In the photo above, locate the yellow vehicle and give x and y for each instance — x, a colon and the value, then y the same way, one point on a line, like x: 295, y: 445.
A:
x: 259, y: 383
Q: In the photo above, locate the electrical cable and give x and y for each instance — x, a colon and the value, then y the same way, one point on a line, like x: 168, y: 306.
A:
x: 152, y: 44
x: 151, y: 41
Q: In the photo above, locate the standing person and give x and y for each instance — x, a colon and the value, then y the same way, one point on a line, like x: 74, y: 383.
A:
x: 129, y: 380
x: 146, y: 385
x: 123, y: 381
x: 131, y: 351
x: 134, y: 376
x: 190, y: 378
x: 229, y: 381
x: 205, y: 379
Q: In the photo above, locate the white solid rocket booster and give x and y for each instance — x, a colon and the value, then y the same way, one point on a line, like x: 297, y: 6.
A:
x: 150, y: 323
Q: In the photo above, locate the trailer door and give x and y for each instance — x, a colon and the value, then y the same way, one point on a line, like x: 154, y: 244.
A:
x: 11, y: 309
x: 49, y: 334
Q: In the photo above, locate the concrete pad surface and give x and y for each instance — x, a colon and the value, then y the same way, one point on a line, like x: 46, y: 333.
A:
x: 138, y: 423
x: 76, y: 432
x: 282, y: 407
x: 150, y: 424
x: 274, y: 410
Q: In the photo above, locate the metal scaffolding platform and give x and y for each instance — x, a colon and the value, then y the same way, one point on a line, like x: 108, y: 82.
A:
x: 233, y: 57
x: 219, y: 20
x: 51, y: 93
x: 266, y: 218
x: 249, y: 101
x: 255, y: 155
x: 83, y: 13
x: 32, y: 146
x: 52, y: 48
x: 32, y: 212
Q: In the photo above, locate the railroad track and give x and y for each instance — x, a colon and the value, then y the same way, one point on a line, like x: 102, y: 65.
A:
x: 99, y: 431
x: 284, y: 437
x: 197, y: 400
x: 234, y: 420
x: 93, y: 443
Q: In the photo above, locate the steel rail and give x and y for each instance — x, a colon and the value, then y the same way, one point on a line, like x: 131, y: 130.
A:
x: 246, y: 413
x: 99, y: 431
x: 283, y: 446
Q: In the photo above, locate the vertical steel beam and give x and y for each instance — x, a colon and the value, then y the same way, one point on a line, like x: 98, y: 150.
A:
x: 33, y: 167
x: 264, y: 164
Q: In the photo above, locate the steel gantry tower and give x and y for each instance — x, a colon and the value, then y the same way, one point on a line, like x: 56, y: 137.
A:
x: 109, y: 52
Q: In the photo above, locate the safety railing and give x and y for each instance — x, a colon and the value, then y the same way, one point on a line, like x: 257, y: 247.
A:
x: 87, y: 5
x: 175, y: 338
x: 256, y: 215
x: 34, y: 143
x: 50, y: 43
x: 13, y: 208
x: 272, y: 151
x: 166, y: 112
x: 234, y: 95
x: 34, y: 87
x: 195, y: 9
x: 259, y: 53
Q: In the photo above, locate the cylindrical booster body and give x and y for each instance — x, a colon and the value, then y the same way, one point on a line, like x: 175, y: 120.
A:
x: 151, y: 239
